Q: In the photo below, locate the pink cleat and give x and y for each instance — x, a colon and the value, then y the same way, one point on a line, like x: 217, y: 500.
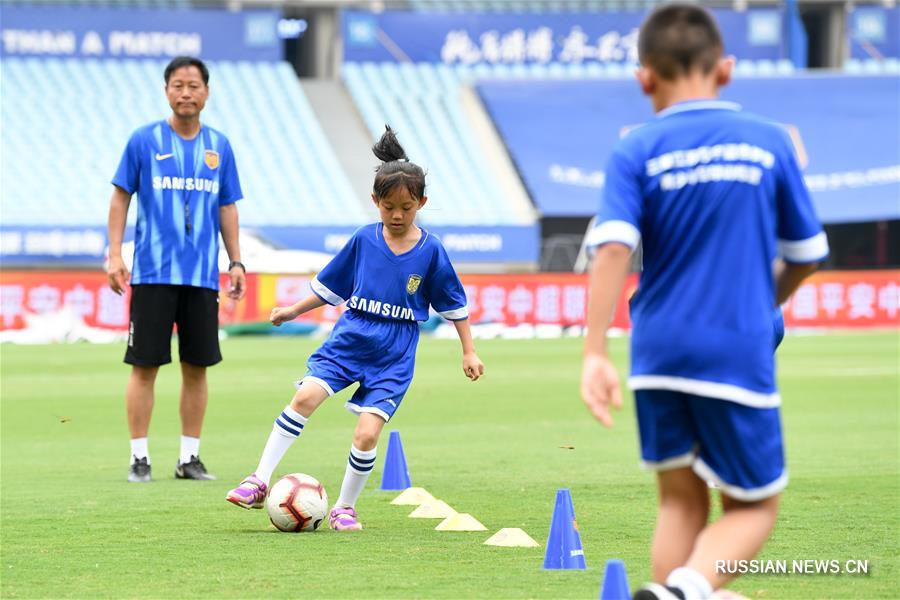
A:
x: 250, y: 494
x: 344, y: 519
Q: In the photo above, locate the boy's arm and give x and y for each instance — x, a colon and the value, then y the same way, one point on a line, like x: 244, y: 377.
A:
x: 282, y: 314
x: 472, y: 365
x: 599, y: 379
x: 789, y: 276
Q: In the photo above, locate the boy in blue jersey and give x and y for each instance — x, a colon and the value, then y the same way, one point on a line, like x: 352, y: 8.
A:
x: 187, y: 184
x: 388, y: 274
x: 715, y: 195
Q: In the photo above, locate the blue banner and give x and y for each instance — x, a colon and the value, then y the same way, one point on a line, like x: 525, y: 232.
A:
x: 534, y: 38
x: 874, y: 32
x: 560, y: 134
x: 24, y: 245
x: 464, y: 244
x: 82, y: 32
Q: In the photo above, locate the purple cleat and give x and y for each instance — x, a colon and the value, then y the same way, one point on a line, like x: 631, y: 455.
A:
x: 250, y: 494
x: 344, y: 519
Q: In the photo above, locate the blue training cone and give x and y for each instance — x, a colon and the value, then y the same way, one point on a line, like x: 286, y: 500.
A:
x: 395, y: 475
x: 564, y: 543
x: 615, y: 583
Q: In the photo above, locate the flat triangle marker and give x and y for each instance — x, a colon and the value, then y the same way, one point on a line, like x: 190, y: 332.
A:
x: 437, y: 509
x: 413, y: 497
x: 460, y: 522
x: 512, y: 537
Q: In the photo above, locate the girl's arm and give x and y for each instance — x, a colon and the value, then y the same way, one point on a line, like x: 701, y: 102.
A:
x: 282, y: 314
x: 472, y: 365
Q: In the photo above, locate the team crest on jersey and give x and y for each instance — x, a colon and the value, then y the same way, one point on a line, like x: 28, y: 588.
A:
x: 211, y: 158
x: 412, y: 284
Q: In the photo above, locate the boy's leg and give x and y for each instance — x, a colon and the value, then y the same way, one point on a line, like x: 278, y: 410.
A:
x: 741, y: 451
x: 738, y: 534
x: 359, y: 466
x: 683, y: 513
x: 289, y: 424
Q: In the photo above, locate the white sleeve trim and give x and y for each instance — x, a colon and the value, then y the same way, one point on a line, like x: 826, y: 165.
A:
x: 456, y: 314
x: 804, y: 251
x: 704, y: 471
x: 707, y: 389
x: 614, y: 231
x: 323, y: 292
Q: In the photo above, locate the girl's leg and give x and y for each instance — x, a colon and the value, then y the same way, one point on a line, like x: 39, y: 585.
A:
x: 288, y: 427
x: 683, y: 512
x: 359, y: 466
x: 251, y: 493
x: 361, y: 460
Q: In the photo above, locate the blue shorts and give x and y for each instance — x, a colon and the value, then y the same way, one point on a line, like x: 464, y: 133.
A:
x: 737, y: 447
x: 379, y: 354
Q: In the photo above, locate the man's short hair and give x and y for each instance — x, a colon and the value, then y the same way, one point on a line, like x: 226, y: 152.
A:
x: 186, y: 61
x: 677, y: 39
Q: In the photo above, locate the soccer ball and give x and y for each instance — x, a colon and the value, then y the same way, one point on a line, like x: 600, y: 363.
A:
x: 297, y: 502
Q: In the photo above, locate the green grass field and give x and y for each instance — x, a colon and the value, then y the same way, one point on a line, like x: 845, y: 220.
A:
x: 73, y: 527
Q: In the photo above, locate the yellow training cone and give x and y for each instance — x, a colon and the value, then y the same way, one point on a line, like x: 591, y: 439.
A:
x: 511, y: 536
x: 436, y: 509
x: 413, y: 497
x: 460, y: 522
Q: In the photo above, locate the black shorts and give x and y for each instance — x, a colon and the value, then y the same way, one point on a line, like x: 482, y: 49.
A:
x: 156, y: 308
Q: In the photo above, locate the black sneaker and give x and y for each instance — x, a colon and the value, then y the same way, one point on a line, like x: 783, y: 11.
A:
x: 139, y: 471
x: 654, y: 591
x: 194, y: 469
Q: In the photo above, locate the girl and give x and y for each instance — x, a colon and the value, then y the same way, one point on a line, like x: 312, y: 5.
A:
x: 388, y: 273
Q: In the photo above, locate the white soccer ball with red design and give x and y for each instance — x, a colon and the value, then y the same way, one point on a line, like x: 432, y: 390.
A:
x: 297, y: 502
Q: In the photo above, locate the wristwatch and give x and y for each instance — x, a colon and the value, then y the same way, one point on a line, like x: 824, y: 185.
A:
x: 237, y: 263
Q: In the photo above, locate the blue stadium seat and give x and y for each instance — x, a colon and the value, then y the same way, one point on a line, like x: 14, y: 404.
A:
x: 423, y: 102
x: 81, y: 113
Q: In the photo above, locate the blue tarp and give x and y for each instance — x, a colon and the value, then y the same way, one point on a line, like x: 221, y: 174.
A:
x: 560, y: 132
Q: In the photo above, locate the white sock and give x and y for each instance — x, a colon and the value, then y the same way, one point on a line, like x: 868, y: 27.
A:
x: 691, y: 582
x: 190, y: 446
x: 359, y: 465
x: 139, y: 449
x: 288, y: 427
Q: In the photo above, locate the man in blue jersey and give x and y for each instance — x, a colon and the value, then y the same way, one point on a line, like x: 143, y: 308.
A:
x: 715, y: 195
x: 187, y: 184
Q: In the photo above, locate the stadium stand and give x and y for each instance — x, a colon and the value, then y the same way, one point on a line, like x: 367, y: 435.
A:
x: 887, y: 66
x: 422, y: 101
x: 531, y: 5
x: 81, y: 112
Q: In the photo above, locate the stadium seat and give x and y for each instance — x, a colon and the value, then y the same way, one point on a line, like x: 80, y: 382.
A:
x: 82, y: 112
x: 423, y: 102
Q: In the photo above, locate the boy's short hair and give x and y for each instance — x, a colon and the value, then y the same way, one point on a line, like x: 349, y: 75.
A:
x: 677, y: 39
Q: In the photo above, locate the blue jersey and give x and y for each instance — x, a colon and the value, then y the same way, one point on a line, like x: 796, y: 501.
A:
x: 715, y: 194
x: 376, y: 283
x: 180, y: 186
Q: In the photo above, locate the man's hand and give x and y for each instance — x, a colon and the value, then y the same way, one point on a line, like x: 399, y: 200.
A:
x: 117, y: 274
x: 472, y: 366
x: 600, y: 387
x: 238, y: 283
